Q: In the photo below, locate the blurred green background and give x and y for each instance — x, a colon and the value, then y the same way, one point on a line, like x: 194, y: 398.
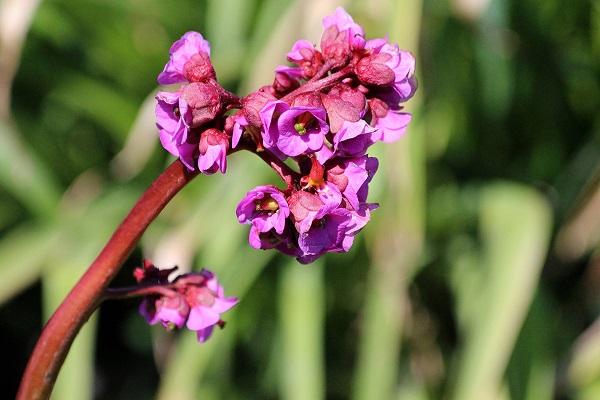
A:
x: 478, y: 277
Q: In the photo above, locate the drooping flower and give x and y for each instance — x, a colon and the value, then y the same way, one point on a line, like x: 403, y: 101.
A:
x: 173, y: 126
x: 195, y: 300
x: 265, y: 208
x: 401, y: 63
x: 189, y: 60
x: 352, y: 177
x: 213, y: 151
x: 207, y: 303
x: 354, y: 138
x: 171, y: 311
x: 306, y: 207
x: 328, y: 234
x: 293, y: 130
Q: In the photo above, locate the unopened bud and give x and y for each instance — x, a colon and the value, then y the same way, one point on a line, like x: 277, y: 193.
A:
x: 199, y: 68
x: 204, y: 101
x: 373, y: 71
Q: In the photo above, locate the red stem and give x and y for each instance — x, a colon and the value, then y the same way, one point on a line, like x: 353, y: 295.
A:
x: 320, y: 84
x: 138, y: 291
x: 60, y: 331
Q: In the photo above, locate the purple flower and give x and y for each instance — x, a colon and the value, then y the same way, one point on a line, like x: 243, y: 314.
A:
x: 306, y: 207
x: 213, y: 151
x: 195, y: 299
x: 292, y: 131
x: 327, y: 234
x: 173, y: 125
x: 308, y: 59
x: 344, y: 23
x: 189, y: 61
x: 239, y: 124
x: 391, y: 124
x: 354, y: 138
x: 265, y: 208
x: 401, y: 63
x: 207, y: 303
x: 169, y: 311
x: 352, y: 177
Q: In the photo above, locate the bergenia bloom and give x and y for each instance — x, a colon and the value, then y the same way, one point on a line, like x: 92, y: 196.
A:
x: 293, y: 130
x: 195, y: 300
x: 352, y: 178
x: 213, y: 151
x: 174, y: 129
x: 207, y: 303
x: 354, y: 138
x: 189, y: 60
x: 344, y: 23
x: 328, y: 234
x: 401, y: 63
x: 324, y: 111
x: 171, y: 312
x: 265, y: 208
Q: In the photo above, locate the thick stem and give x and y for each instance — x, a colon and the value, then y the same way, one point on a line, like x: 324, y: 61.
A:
x: 60, y: 331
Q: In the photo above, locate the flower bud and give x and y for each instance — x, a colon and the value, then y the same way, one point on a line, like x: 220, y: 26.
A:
x: 199, y: 68
x: 213, y: 151
x: 372, y: 70
x: 284, y: 83
x: 343, y: 104
x: 254, y: 102
x: 204, y: 101
x: 335, y: 46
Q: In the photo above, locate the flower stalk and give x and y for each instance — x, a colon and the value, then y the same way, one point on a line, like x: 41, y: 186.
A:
x: 60, y: 330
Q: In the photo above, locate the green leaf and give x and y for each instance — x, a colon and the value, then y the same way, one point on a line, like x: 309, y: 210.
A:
x: 515, y: 227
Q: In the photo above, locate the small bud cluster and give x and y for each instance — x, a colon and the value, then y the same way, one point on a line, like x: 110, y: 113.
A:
x: 323, y: 112
x: 195, y: 300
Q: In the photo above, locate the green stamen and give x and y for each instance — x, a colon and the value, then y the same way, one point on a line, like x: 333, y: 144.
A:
x: 300, y: 128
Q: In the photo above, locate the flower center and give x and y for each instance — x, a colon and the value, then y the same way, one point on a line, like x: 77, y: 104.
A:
x: 304, y: 122
x: 266, y: 204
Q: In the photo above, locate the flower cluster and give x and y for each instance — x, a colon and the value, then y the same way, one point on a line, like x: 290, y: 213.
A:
x: 323, y: 112
x: 195, y: 300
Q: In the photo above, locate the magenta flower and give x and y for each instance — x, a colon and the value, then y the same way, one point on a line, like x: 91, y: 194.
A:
x: 189, y: 61
x: 173, y: 128
x: 265, y: 208
x: 292, y: 131
x: 344, y: 23
x: 306, y: 207
x: 239, y: 124
x: 213, y: 151
x: 352, y: 177
x: 329, y: 234
x: 171, y: 312
x: 308, y: 59
x: 354, y: 138
x: 207, y: 303
x: 195, y: 299
x: 401, y: 63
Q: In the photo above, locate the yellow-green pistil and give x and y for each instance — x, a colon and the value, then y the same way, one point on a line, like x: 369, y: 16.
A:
x: 303, y: 122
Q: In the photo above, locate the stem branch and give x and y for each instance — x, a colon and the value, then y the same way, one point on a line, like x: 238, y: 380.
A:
x: 60, y: 330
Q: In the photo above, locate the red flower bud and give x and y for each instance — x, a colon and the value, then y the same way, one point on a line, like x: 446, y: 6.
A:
x: 373, y: 71
x: 204, y: 101
x: 254, y: 102
x: 335, y: 46
x: 199, y: 68
x: 343, y: 103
